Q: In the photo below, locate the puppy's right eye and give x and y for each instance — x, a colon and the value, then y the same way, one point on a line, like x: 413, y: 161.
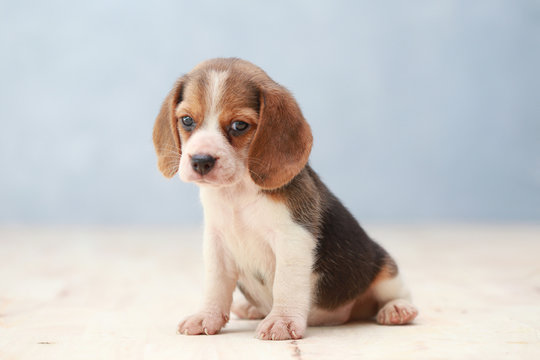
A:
x: 188, y: 123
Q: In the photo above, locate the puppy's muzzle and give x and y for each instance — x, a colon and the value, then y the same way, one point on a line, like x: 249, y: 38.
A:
x: 202, y: 163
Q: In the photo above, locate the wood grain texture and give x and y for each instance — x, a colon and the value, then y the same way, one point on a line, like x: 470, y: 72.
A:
x: 71, y: 293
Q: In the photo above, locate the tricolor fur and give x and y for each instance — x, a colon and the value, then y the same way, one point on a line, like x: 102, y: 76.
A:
x: 272, y: 228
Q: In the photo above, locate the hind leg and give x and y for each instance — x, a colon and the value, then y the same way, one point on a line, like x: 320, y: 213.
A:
x: 387, y: 298
x: 242, y: 308
x: 394, y: 300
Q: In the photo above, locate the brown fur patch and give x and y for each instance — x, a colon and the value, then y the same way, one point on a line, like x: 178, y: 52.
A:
x: 228, y: 116
x: 193, y: 103
x: 282, y: 143
x: 165, y: 135
x: 389, y: 270
x: 366, y: 306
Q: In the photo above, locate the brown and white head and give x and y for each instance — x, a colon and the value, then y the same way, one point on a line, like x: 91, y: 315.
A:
x: 225, y: 121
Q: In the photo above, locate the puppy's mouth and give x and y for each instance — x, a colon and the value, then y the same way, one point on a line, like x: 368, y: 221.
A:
x: 204, y: 181
x: 213, y: 181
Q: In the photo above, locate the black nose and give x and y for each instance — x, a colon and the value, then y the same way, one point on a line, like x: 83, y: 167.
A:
x: 202, y: 163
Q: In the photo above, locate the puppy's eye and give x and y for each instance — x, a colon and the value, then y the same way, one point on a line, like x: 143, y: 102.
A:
x: 187, y: 122
x: 238, y: 127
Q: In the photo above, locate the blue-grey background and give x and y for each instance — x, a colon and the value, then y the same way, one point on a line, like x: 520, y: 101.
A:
x: 422, y: 111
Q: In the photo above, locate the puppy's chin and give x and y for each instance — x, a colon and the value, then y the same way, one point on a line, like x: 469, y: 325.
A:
x: 210, y: 180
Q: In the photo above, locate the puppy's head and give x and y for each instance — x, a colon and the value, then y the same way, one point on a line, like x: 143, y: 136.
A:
x: 225, y: 120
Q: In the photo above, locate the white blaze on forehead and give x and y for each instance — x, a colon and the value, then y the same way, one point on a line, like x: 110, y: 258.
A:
x: 214, y: 92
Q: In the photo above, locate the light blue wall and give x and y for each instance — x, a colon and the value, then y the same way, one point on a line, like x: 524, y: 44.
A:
x: 421, y: 110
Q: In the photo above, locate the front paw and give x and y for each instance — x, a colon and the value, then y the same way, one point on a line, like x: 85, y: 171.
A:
x: 208, y: 323
x: 280, y: 327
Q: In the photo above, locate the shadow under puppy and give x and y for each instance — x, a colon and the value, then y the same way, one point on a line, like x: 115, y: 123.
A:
x: 272, y: 228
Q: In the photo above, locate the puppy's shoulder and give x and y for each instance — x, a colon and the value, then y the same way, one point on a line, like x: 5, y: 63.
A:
x: 304, y: 197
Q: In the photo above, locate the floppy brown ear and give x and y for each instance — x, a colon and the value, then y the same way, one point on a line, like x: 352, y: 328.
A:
x: 165, y: 135
x: 282, y: 142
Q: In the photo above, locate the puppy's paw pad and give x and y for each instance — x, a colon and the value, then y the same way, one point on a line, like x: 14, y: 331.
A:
x: 206, y: 323
x: 245, y: 310
x: 397, y: 312
x: 281, y: 328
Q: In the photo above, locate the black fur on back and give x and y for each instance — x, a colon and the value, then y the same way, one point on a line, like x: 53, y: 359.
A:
x: 346, y: 259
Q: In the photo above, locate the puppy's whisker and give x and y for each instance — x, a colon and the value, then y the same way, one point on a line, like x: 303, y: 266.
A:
x: 172, y: 145
x: 171, y: 157
x: 170, y: 163
x: 171, y: 166
x: 169, y: 147
x: 255, y: 160
x: 169, y: 151
x: 257, y: 175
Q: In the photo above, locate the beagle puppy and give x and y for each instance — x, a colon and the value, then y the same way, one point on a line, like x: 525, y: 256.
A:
x: 272, y: 229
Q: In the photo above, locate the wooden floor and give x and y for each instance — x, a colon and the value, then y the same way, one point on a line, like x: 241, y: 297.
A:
x: 118, y: 294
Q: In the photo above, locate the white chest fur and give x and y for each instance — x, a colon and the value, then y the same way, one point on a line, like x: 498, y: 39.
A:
x: 249, y: 228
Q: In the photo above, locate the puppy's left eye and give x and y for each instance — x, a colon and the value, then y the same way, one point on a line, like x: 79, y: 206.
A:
x: 239, y: 127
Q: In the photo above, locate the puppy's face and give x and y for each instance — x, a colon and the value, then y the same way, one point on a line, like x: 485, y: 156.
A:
x: 217, y: 120
x: 227, y: 120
